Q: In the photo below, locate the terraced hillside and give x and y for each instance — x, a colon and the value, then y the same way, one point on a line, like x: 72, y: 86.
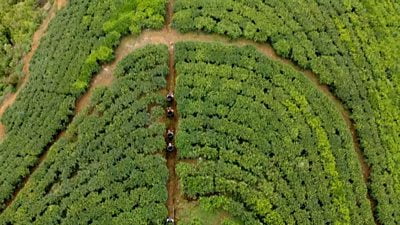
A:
x: 285, y: 112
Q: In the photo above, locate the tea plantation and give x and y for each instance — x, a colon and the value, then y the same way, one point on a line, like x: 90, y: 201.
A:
x: 61, y: 69
x: 352, y: 45
x: 278, y: 112
x: 272, y: 148
x: 105, y: 169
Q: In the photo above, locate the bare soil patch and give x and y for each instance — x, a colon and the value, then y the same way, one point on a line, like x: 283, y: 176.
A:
x: 61, y: 3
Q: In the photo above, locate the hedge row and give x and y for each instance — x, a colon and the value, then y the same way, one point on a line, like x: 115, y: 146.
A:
x: 75, y: 46
x: 352, y: 45
x: 271, y: 148
x: 105, y: 170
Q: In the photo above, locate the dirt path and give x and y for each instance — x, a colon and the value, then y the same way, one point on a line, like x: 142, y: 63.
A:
x: 61, y: 4
x: 106, y: 76
x: 104, y: 79
x: 10, y: 98
x: 172, y: 157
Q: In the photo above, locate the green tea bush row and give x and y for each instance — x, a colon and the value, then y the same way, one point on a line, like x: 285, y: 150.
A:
x: 352, y: 45
x: 105, y: 170
x: 271, y: 149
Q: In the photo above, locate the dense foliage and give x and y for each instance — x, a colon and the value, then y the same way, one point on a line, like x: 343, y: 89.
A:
x: 271, y: 148
x: 352, y: 45
x: 258, y: 143
x: 105, y: 170
x: 18, y: 22
x: 78, y: 40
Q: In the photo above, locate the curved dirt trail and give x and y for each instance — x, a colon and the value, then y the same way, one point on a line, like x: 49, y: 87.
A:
x: 106, y: 75
x: 10, y: 98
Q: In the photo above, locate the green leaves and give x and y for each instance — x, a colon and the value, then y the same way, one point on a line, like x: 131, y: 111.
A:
x: 137, y: 16
x: 105, y: 169
x: 74, y: 47
x: 351, y: 45
x: 262, y: 135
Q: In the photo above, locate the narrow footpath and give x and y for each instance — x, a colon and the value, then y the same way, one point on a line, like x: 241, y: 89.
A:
x: 172, y: 157
x: 172, y: 125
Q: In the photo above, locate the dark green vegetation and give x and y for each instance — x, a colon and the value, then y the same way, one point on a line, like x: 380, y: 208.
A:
x: 78, y: 40
x: 271, y: 148
x: 105, y: 170
x: 352, y: 45
x: 18, y: 22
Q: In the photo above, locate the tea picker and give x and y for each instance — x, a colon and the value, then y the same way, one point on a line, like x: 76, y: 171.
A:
x: 170, y: 97
x: 170, y: 112
x: 170, y: 147
x: 170, y: 135
x: 170, y: 221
